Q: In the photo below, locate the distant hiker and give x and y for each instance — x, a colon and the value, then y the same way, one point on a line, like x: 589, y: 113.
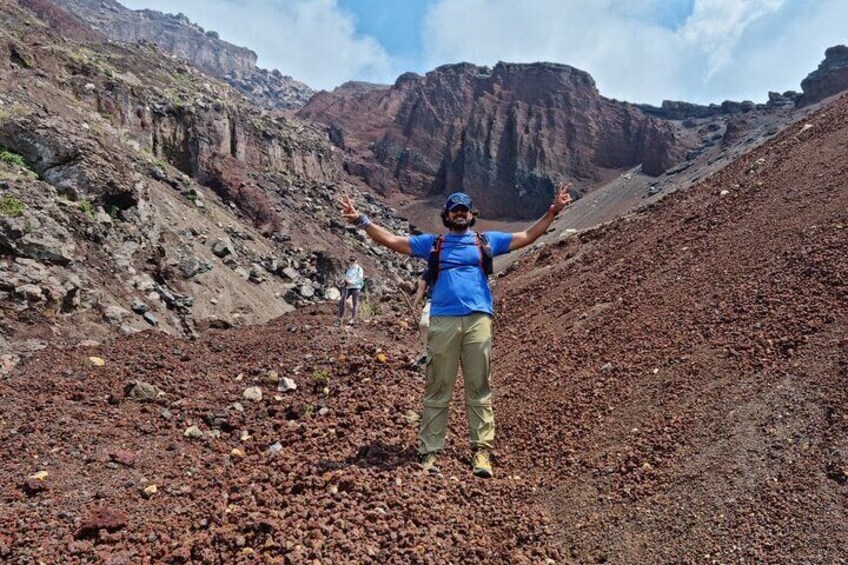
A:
x: 353, y: 281
x: 461, y: 316
x: 423, y: 292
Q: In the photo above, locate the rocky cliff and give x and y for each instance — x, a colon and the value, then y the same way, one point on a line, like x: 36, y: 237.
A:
x: 677, y: 110
x: 831, y: 77
x: 138, y: 192
x: 177, y: 35
x: 506, y: 135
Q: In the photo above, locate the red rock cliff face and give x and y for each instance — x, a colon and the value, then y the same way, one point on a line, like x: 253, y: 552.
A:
x: 506, y: 135
x: 831, y: 77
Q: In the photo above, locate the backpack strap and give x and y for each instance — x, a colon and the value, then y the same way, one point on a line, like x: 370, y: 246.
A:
x: 434, y: 258
x: 486, y: 253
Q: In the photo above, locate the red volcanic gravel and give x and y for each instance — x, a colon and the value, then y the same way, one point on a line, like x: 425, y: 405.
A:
x: 679, y: 379
x: 342, y: 486
x: 670, y: 387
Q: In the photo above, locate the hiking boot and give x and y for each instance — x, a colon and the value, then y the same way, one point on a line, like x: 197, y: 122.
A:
x: 481, y: 465
x: 427, y: 462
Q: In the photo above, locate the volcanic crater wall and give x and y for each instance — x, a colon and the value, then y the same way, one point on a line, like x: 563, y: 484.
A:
x: 505, y: 135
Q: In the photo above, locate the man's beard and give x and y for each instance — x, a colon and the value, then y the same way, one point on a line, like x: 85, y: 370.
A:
x: 462, y: 225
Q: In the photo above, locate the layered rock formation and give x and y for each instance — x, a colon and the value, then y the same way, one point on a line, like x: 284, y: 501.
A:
x: 177, y: 35
x: 831, y: 77
x: 136, y: 191
x: 506, y: 135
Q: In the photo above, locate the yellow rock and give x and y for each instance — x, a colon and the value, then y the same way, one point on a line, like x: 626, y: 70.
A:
x: 150, y: 491
x: 39, y: 476
x: 236, y: 452
x: 96, y: 361
x: 247, y: 551
x: 382, y: 358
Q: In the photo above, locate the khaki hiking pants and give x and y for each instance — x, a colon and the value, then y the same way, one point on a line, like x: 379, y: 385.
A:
x: 465, y: 340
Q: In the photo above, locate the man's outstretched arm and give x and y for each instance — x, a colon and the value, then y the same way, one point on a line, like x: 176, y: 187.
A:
x: 534, y: 232
x: 378, y: 234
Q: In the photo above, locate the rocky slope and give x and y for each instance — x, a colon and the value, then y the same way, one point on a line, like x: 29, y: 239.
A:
x: 507, y: 135
x: 136, y: 192
x: 831, y: 77
x: 669, y: 388
x: 177, y: 35
x: 692, y: 358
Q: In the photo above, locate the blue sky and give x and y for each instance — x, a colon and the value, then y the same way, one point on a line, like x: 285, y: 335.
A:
x: 640, y: 50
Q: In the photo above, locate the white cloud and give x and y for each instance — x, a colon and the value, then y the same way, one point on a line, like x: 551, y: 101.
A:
x: 725, y: 49
x: 314, y: 41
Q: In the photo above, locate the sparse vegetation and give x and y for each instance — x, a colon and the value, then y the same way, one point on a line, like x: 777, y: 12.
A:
x: 321, y: 381
x: 13, y: 159
x: 114, y: 212
x: 93, y: 61
x: 86, y: 207
x: 11, y: 206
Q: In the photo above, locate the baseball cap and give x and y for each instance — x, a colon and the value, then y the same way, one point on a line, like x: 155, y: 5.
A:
x: 458, y: 199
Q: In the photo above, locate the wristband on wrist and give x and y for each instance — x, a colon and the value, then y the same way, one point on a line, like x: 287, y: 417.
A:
x: 552, y: 212
x: 363, y: 222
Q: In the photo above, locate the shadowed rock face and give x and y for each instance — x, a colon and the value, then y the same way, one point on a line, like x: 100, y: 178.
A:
x: 830, y: 78
x: 177, y: 35
x: 506, y: 135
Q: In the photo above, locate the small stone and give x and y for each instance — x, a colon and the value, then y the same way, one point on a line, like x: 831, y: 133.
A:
x: 275, y: 448
x: 193, y: 432
x: 122, y: 456
x: 149, y: 491
x: 96, y: 361
x: 286, y: 385
x: 272, y: 376
x: 253, y: 393
x: 724, y: 192
x: 103, y: 518
x: 39, y: 476
x: 238, y: 453
x: 151, y: 319
x: 142, y: 391
x: 138, y: 306
x: 382, y: 358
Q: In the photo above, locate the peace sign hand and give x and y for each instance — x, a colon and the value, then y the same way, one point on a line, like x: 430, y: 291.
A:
x: 563, y: 198
x: 349, y: 211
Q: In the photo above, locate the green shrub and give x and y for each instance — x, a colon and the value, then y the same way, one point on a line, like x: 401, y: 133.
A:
x: 11, y: 206
x: 86, y: 208
x: 12, y: 159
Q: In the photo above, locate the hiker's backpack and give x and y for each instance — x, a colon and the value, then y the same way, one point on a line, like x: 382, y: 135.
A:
x: 434, y: 259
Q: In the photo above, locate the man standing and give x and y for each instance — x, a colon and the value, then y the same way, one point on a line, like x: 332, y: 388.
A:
x: 460, y: 317
x: 422, y: 292
x: 353, y: 281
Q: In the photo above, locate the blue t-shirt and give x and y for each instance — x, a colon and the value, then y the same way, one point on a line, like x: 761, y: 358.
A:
x: 461, y: 288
